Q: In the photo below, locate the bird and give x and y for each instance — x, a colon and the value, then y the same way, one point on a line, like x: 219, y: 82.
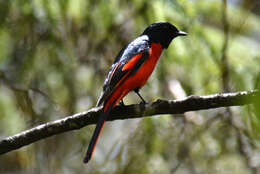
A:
x: 131, y: 69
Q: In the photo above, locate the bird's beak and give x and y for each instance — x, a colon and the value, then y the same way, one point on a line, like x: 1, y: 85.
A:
x: 182, y: 33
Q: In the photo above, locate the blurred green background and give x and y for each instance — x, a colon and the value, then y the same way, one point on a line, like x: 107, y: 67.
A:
x: 54, y: 56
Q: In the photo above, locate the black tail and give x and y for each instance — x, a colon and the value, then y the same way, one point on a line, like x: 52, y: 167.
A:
x: 93, y: 141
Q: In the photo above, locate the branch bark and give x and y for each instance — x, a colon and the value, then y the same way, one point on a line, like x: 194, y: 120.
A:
x: 79, y: 120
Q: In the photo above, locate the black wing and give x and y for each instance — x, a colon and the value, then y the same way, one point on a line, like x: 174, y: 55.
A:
x: 139, y: 46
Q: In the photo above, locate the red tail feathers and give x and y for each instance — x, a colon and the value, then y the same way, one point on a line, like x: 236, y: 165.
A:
x: 100, y: 124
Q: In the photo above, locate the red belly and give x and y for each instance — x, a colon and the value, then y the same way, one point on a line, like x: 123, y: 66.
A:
x: 140, y: 77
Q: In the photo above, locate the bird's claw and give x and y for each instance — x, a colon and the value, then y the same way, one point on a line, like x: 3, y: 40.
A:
x: 143, y: 102
x: 121, y: 103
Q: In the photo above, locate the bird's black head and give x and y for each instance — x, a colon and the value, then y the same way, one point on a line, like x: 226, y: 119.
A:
x: 163, y: 33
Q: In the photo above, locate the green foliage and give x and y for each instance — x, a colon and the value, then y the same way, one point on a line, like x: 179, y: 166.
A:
x: 54, y: 56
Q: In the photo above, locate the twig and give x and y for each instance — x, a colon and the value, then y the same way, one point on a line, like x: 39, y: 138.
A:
x: 77, y: 121
x: 224, y: 59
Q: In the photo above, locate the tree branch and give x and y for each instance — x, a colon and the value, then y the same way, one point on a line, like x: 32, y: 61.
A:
x: 77, y: 121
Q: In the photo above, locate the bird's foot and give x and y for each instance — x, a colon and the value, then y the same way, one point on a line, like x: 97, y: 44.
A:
x: 143, y: 102
x: 121, y: 103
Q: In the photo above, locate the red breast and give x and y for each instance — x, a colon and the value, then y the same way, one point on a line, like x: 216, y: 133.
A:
x: 140, y: 77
